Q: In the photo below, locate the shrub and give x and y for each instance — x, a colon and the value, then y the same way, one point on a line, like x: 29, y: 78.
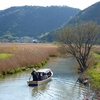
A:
x: 4, y: 73
x: 18, y: 70
x: 0, y: 75
x: 30, y: 66
x: 44, y: 62
x: 53, y: 55
x: 11, y: 72
x: 23, y: 68
x: 39, y: 65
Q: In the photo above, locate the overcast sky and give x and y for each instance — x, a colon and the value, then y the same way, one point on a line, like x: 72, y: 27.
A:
x: 81, y: 4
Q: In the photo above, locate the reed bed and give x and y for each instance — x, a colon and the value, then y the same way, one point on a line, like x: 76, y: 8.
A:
x: 25, y: 55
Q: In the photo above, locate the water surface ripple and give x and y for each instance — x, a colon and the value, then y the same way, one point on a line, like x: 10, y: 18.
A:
x: 61, y: 87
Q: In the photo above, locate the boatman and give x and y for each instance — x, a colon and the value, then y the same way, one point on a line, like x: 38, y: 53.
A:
x: 34, y: 74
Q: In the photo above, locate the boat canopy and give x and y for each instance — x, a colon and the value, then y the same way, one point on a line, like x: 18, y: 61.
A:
x: 43, y: 70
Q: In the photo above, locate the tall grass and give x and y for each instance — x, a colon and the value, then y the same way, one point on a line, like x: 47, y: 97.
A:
x: 24, y: 55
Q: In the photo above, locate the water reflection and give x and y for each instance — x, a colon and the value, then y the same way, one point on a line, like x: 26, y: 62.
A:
x: 40, y: 89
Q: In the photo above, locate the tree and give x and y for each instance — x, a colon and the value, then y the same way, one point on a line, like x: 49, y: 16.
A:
x: 78, y: 41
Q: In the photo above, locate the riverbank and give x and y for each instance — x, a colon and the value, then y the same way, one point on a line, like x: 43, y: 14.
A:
x: 94, y: 73
x: 23, y: 56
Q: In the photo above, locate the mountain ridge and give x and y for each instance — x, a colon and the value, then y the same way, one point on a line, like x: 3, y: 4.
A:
x: 33, y: 20
x: 91, y: 13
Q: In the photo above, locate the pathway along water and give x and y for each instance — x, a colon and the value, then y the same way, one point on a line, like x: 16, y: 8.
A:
x: 62, y: 86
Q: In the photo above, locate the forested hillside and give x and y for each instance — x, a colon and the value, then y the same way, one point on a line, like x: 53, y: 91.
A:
x: 89, y: 14
x: 33, y: 21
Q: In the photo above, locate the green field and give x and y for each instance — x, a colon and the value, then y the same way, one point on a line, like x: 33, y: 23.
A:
x: 4, y: 56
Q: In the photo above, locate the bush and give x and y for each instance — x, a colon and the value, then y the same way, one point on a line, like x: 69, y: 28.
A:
x: 4, y: 73
x: 23, y: 68
x: 53, y: 55
x: 0, y: 75
x: 39, y: 65
x: 30, y: 66
x: 18, y: 70
x: 11, y: 72
x: 44, y: 62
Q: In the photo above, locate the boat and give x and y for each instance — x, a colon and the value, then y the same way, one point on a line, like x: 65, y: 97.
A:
x: 49, y: 74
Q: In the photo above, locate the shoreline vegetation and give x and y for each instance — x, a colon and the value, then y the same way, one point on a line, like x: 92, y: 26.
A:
x: 94, y: 73
x: 17, y: 57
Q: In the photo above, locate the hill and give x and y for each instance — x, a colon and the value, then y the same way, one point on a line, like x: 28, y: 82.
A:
x: 89, y: 14
x: 33, y: 21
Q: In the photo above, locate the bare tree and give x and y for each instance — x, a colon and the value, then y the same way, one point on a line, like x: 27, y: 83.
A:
x: 78, y: 41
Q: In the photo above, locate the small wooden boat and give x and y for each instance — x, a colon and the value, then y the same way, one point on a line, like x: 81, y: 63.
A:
x: 49, y: 74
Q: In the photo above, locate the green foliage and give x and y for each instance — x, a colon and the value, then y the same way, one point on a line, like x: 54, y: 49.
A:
x: 46, y: 61
x: 94, y: 72
x: 95, y: 77
x: 0, y: 75
x: 43, y: 63
x: 56, y: 43
x: 11, y: 71
x: 30, y: 66
x: 39, y: 65
x: 4, y: 73
x: 18, y: 70
x: 14, y: 71
x: 23, y: 68
x: 53, y: 55
x: 96, y: 55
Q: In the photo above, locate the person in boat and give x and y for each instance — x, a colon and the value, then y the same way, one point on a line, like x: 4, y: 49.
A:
x: 45, y: 76
x: 49, y: 74
x: 39, y: 76
x: 42, y: 76
x: 34, y: 74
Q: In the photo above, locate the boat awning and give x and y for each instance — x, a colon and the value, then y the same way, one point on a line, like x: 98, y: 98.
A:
x: 43, y: 70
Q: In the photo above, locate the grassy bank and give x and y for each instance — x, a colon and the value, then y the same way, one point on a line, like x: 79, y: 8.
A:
x: 94, y: 71
x: 16, y: 57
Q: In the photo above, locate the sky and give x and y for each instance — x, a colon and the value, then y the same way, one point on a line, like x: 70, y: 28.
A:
x: 81, y: 4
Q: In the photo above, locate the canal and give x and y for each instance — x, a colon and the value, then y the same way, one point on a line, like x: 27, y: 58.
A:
x: 62, y: 86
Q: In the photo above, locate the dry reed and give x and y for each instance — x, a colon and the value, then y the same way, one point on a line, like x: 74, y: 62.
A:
x: 25, y: 54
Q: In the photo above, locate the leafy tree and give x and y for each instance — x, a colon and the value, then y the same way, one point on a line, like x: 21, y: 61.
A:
x: 78, y: 41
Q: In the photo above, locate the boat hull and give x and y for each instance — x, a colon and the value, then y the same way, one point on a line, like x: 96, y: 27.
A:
x: 37, y: 83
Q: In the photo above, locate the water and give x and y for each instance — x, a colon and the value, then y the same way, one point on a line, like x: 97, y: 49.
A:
x: 62, y: 86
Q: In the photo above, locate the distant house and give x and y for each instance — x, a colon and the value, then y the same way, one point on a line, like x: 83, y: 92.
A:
x: 35, y: 41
